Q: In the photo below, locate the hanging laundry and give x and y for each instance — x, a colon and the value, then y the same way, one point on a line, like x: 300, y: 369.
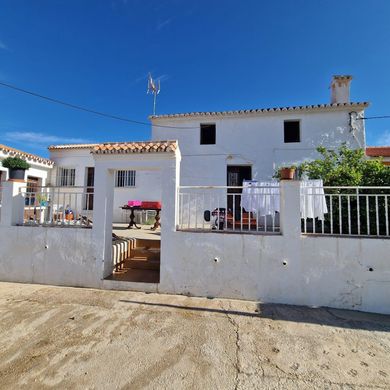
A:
x: 313, y: 202
x: 262, y: 198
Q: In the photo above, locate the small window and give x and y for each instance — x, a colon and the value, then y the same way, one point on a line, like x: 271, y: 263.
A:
x: 125, y: 179
x: 66, y: 177
x: 207, y: 134
x: 292, y: 131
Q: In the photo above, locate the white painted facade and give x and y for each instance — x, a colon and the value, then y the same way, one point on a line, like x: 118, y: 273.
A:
x: 39, y: 170
x: 257, y: 140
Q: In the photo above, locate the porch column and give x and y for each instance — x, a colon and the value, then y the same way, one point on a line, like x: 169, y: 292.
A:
x: 12, y: 207
x: 170, y: 182
x: 170, y: 178
x: 290, y: 208
x: 102, y: 218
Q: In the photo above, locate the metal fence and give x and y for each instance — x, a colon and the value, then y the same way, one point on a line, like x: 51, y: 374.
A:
x: 226, y: 209
x: 353, y: 211
x: 58, y: 206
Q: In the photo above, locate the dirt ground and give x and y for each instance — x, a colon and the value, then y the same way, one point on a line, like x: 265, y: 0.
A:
x: 72, y: 338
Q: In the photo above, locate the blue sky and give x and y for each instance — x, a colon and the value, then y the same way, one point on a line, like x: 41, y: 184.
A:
x: 210, y: 55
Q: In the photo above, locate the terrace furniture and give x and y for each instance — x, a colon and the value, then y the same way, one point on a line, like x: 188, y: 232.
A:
x: 136, y: 205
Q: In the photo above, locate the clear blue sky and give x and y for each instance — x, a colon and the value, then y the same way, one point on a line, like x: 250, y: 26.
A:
x: 210, y: 55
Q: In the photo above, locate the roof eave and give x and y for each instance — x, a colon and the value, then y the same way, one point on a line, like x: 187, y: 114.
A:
x: 255, y: 112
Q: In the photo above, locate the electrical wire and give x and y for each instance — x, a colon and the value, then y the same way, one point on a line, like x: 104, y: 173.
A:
x: 80, y: 108
x: 116, y: 117
x: 374, y: 117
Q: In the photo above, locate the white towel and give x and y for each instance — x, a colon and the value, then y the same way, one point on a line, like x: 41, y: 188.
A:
x: 313, y: 202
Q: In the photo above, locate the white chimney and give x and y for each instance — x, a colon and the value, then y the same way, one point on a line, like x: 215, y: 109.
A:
x: 340, y: 89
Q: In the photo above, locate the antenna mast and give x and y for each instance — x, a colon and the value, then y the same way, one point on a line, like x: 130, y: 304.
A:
x: 153, y: 88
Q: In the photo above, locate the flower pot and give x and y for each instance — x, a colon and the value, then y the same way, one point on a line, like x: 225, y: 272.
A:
x: 16, y: 174
x: 287, y: 173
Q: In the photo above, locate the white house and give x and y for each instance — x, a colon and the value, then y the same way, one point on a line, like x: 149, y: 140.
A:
x: 224, y: 148
x: 40, y: 168
x: 283, y: 255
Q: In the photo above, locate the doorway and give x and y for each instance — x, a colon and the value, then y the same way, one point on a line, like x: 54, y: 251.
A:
x: 236, y: 174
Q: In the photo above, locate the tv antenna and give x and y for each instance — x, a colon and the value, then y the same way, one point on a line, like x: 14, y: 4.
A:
x: 154, y: 88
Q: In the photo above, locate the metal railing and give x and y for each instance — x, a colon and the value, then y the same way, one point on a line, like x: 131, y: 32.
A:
x: 58, y: 206
x: 228, y: 209
x: 352, y: 211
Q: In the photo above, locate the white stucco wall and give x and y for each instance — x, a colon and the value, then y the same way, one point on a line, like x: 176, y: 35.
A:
x: 64, y: 257
x: 256, y: 140
x: 340, y: 272
x: 320, y: 271
x: 147, y: 182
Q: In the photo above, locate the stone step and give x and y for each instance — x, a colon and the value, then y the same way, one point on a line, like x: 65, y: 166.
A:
x: 141, y: 242
x: 145, y: 252
x: 142, y: 263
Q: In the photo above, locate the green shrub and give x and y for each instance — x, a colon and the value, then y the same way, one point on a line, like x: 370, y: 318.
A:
x: 15, y: 163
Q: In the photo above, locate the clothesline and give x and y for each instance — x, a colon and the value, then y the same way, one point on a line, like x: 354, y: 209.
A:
x: 263, y: 198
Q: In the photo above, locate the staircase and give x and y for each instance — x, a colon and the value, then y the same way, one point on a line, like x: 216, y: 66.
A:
x: 145, y: 255
x: 136, y: 260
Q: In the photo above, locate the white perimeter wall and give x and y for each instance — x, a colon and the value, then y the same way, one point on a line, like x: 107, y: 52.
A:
x: 256, y: 140
x: 320, y: 271
x: 64, y: 257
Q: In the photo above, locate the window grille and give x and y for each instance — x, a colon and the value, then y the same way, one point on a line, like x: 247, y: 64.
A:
x: 125, y: 179
x: 66, y: 177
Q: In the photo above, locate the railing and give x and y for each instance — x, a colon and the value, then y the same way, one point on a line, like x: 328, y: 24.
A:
x: 226, y: 209
x: 58, y: 206
x: 352, y: 211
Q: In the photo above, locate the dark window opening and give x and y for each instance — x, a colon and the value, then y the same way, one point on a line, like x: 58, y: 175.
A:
x: 292, y: 131
x: 90, y: 176
x: 207, y: 134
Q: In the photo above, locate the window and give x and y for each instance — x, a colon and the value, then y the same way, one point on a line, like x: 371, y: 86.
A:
x: 125, y: 179
x: 292, y: 131
x: 66, y: 177
x: 207, y: 134
x: 90, y: 179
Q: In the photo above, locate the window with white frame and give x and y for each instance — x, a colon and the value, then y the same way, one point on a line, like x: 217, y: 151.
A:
x: 125, y: 179
x: 66, y: 177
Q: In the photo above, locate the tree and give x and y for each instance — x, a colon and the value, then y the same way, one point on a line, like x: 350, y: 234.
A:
x: 346, y: 167
x: 351, y: 209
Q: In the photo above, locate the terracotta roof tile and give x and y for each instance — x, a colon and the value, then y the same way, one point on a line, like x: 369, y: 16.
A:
x: 135, y: 147
x: 378, y: 151
x: 263, y: 110
x: 28, y: 156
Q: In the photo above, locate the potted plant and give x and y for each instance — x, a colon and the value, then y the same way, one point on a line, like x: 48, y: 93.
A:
x: 16, y: 168
x: 287, y: 173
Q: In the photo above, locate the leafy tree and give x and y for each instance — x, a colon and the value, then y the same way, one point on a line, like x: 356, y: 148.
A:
x: 350, y: 168
x: 346, y: 167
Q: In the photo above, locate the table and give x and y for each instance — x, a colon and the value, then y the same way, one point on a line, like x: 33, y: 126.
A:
x: 132, y: 216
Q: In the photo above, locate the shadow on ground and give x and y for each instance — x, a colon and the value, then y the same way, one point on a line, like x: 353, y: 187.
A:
x: 321, y: 316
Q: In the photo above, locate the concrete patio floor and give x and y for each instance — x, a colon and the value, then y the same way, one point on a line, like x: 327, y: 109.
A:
x: 72, y: 338
x: 145, y: 232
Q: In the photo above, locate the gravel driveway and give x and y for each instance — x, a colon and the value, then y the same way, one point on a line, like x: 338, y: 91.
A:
x: 73, y: 338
